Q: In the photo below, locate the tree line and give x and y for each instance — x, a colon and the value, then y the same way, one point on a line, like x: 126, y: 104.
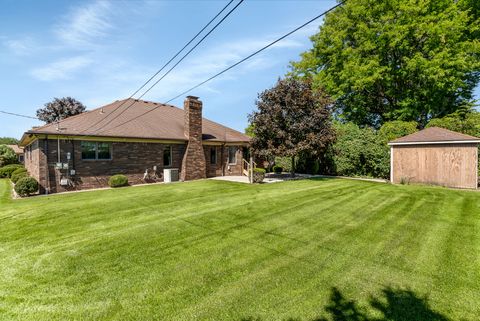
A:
x: 377, y: 70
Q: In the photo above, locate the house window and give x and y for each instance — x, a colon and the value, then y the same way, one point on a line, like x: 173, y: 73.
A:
x: 95, y: 150
x: 213, y: 155
x: 232, y: 155
x: 103, y: 151
x: 167, y: 156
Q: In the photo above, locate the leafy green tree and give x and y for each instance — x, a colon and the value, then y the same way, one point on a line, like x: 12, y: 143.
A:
x: 394, y: 129
x: 249, y: 130
x: 469, y: 124
x: 360, y: 152
x: 8, y: 141
x: 59, y: 109
x: 291, y: 119
x: 396, y: 59
x: 7, y: 156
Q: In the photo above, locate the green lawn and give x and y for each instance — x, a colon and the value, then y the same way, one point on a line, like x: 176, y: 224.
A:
x: 210, y: 250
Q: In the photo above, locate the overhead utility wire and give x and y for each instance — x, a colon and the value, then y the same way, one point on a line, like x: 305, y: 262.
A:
x: 18, y: 115
x: 155, y: 83
x: 175, y: 65
x: 253, y: 54
x: 237, y: 63
x: 162, y: 68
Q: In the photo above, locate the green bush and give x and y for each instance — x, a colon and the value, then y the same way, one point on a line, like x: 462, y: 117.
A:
x: 26, y: 186
x: 259, y: 170
x: 17, y: 174
x: 360, y: 152
x: 277, y: 169
x: 6, y: 171
x: 284, y: 162
x: 118, y: 180
x: 395, y: 129
x: 258, y: 175
x: 7, y: 156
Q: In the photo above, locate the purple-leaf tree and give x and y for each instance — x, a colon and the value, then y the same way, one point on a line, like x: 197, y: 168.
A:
x: 291, y: 119
x: 60, y: 108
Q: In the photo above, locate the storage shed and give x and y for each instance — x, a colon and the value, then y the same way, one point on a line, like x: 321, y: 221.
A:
x: 435, y: 156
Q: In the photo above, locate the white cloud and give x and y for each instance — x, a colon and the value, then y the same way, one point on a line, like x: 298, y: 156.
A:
x: 20, y: 47
x: 193, y: 71
x: 61, y: 69
x: 85, y: 25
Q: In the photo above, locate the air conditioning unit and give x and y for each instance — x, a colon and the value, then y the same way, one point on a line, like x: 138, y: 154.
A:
x: 170, y: 175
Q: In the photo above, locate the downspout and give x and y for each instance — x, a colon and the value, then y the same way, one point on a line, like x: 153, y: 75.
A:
x: 47, y: 176
x: 58, y: 149
x: 223, y: 159
x: 73, y: 154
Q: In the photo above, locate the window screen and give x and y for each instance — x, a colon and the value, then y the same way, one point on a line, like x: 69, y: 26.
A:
x: 232, y: 155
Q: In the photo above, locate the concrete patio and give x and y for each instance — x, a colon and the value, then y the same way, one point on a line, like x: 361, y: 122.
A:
x: 244, y: 179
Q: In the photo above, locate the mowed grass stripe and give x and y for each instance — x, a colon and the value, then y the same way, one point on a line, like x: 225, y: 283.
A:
x: 225, y: 251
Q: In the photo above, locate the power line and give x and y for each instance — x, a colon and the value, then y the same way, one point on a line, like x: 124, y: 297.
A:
x: 255, y: 53
x: 18, y: 115
x: 237, y: 63
x: 176, y: 64
x: 154, y: 84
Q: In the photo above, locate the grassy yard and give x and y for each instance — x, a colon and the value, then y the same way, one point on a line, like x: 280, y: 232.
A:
x: 209, y: 250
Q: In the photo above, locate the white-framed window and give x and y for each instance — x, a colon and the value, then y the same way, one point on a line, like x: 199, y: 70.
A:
x: 213, y: 155
x: 232, y: 155
x: 96, y: 150
x: 167, y: 156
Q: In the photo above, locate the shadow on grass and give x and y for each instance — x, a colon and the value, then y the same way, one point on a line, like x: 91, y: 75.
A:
x: 393, y: 305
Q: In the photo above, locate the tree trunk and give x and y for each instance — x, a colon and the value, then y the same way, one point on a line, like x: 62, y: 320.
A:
x: 292, y: 171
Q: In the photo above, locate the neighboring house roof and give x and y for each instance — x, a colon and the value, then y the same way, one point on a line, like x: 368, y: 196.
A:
x: 434, y: 135
x: 18, y: 150
x: 162, y: 121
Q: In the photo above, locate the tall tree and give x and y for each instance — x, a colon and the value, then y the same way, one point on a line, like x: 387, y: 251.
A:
x: 8, y: 141
x: 60, y: 108
x: 396, y: 59
x: 291, y: 119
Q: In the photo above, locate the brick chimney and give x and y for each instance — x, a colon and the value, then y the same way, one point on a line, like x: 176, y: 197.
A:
x: 193, y: 164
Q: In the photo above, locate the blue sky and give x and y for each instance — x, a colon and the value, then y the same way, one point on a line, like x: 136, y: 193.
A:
x: 101, y: 51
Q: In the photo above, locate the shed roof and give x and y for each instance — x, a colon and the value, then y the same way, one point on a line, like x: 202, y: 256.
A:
x: 138, y: 119
x: 435, y: 135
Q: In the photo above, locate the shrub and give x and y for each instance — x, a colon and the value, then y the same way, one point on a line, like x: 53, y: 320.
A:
x: 258, y: 175
x: 360, y: 152
x: 284, y: 162
x: 259, y: 170
x: 6, y: 171
x: 277, y: 169
x: 26, y: 186
x: 118, y: 180
x: 7, y: 156
x: 17, y: 174
x: 395, y: 129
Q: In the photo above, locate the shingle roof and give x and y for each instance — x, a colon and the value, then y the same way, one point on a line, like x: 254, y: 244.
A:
x: 16, y: 149
x: 434, y: 135
x: 162, y: 122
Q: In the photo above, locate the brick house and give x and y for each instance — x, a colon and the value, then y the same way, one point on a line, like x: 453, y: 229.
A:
x: 131, y: 138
